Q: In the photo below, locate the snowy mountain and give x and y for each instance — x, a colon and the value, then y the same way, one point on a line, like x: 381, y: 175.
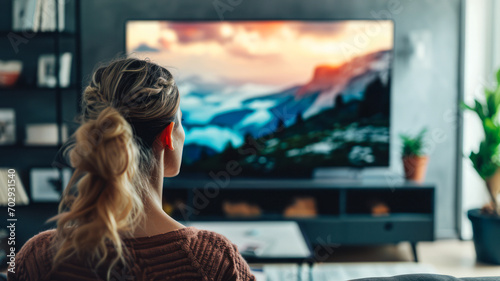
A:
x: 259, y: 114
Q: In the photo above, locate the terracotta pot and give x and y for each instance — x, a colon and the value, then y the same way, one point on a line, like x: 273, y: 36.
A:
x: 415, y: 167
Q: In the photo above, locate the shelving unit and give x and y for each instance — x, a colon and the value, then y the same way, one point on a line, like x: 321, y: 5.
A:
x: 54, y: 105
x: 344, y: 213
x: 34, y: 104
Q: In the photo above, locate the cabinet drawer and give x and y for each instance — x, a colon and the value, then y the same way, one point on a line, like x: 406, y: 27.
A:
x: 387, y: 231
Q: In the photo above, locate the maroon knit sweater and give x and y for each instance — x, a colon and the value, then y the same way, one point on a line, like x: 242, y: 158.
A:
x: 184, y: 254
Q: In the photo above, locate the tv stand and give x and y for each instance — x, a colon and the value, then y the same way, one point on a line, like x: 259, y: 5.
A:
x: 344, y: 208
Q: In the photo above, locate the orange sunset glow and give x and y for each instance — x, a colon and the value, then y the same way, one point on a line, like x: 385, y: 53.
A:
x: 272, y: 53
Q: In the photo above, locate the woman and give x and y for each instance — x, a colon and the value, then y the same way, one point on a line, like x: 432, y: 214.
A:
x: 113, y: 227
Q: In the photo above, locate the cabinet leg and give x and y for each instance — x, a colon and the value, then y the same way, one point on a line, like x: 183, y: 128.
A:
x: 414, y: 250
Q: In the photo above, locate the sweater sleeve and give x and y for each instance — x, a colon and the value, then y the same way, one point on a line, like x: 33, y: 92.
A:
x: 238, y: 269
x: 31, y: 262
x: 216, y: 258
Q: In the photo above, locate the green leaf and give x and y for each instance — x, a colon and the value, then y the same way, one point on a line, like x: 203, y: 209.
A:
x: 479, y: 109
x: 497, y: 96
x: 413, y: 145
x: 491, y: 106
x: 465, y: 106
x: 421, y: 135
x: 486, y: 160
x: 489, y: 126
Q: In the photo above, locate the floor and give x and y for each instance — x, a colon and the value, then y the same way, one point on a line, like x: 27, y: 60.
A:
x: 456, y: 258
x: 448, y: 257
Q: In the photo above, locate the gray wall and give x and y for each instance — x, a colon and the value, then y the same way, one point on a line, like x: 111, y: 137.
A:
x: 424, y: 92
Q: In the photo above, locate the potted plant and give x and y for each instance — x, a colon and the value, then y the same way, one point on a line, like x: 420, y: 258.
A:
x: 486, y: 161
x: 414, y: 159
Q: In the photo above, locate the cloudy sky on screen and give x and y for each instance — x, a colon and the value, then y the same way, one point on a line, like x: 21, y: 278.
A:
x: 268, y: 53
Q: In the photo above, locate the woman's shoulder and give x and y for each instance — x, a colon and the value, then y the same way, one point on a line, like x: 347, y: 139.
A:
x: 34, y: 257
x: 39, y: 245
x: 210, y: 254
x: 204, y: 238
x: 43, y: 237
x: 208, y: 245
x: 210, y: 250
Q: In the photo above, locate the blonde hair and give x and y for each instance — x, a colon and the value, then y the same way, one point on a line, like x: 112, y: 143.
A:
x: 126, y: 106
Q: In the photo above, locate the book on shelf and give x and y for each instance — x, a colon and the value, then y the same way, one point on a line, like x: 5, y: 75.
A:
x: 21, y: 198
x: 65, y: 69
x: 25, y: 15
x: 45, y: 134
x: 48, y: 19
x: 38, y: 15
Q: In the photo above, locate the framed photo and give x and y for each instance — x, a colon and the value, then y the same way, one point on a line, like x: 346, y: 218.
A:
x: 47, y: 185
x: 47, y: 71
x: 47, y: 76
x: 7, y: 126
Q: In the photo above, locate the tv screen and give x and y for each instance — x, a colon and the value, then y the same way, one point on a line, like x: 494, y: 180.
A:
x: 276, y: 98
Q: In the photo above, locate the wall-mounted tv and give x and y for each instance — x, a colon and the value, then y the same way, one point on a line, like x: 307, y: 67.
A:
x: 281, y: 98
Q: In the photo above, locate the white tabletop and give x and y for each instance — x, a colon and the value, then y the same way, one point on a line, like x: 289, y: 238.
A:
x: 268, y: 239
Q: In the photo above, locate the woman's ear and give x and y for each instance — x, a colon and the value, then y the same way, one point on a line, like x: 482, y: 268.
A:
x: 166, y: 136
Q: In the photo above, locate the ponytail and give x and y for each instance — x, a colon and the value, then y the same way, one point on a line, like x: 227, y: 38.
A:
x: 108, y: 204
x: 125, y: 107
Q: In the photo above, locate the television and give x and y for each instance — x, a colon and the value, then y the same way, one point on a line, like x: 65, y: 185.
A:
x: 278, y: 99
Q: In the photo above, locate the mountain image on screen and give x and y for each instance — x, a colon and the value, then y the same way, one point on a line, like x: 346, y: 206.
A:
x: 338, y: 116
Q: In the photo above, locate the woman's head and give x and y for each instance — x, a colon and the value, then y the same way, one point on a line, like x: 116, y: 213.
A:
x: 146, y: 96
x: 130, y: 135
